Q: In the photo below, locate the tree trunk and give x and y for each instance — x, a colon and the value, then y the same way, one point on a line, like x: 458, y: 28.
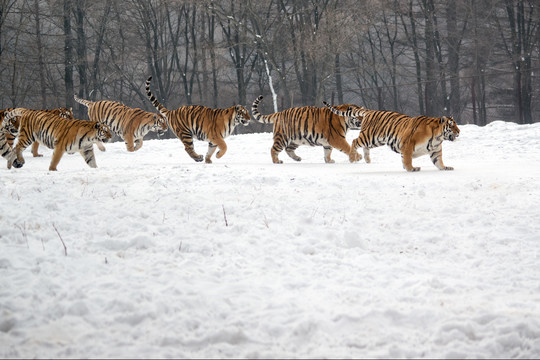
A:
x: 453, y: 61
x: 82, y: 64
x: 68, y: 54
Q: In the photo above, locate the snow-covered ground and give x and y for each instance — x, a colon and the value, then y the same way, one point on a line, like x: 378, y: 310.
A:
x: 243, y: 258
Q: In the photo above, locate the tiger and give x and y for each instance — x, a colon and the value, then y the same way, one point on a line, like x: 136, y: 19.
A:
x: 309, y: 125
x: 203, y: 123
x: 128, y: 123
x: 62, y: 135
x: 409, y: 136
x: 8, y: 129
x: 62, y: 112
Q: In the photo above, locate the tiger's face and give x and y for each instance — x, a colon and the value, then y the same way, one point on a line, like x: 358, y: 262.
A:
x: 241, y: 116
x: 160, y: 124
x: 355, y: 121
x: 66, y: 113
x: 103, y: 133
x: 10, y: 126
x: 450, y: 128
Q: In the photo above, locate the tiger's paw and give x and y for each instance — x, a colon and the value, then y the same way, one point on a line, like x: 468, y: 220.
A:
x: 413, y: 169
x: 208, y: 160
x: 18, y: 164
x: 198, y: 158
x: 447, y: 168
x: 354, y: 156
x: 278, y: 162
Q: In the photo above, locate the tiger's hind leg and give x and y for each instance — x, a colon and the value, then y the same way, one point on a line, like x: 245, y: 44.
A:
x: 35, y: 147
x: 187, y: 140
x: 290, y: 150
x: 276, y: 149
x: 89, y: 156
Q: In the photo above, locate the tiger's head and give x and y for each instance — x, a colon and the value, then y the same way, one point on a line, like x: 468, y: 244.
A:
x: 103, y: 133
x: 241, y: 115
x: 66, y: 113
x: 10, y: 124
x: 450, y: 129
x: 10, y: 127
x: 353, y: 114
x: 159, y: 124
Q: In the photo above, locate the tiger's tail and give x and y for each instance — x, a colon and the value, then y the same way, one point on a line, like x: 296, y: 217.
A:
x: 265, y: 119
x: 162, y: 109
x: 82, y: 101
x: 349, y: 113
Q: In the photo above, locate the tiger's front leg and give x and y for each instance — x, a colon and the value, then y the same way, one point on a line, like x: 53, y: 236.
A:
x: 354, y: 156
x: 222, y: 147
x: 342, y: 145
x: 436, y: 158
x: 138, y: 144
x: 89, y: 156
x: 19, y: 148
x: 327, y: 155
x: 56, y: 156
x: 211, y: 149
x: 130, y: 143
x: 406, y: 157
x: 367, y: 158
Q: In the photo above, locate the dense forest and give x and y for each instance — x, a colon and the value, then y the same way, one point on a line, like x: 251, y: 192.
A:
x: 477, y: 60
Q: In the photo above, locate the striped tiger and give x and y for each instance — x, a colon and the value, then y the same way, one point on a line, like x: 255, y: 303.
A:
x: 62, y: 112
x: 8, y: 129
x: 62, y: 135
x: 309, y: 125
x: 203, y: 123
x: 128, y: 123
x: 409, y: 136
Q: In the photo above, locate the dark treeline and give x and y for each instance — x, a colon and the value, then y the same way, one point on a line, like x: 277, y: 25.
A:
x: 477, y: 60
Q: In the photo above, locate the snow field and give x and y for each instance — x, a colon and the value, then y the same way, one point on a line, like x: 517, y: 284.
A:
x: 244, y: 258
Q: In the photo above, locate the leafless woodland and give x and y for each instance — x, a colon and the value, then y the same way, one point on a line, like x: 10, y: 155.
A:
x: 477, y: 60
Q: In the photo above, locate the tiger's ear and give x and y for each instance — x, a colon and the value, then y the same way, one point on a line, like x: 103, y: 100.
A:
x: 96, y: 126
x: 442, y: 120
